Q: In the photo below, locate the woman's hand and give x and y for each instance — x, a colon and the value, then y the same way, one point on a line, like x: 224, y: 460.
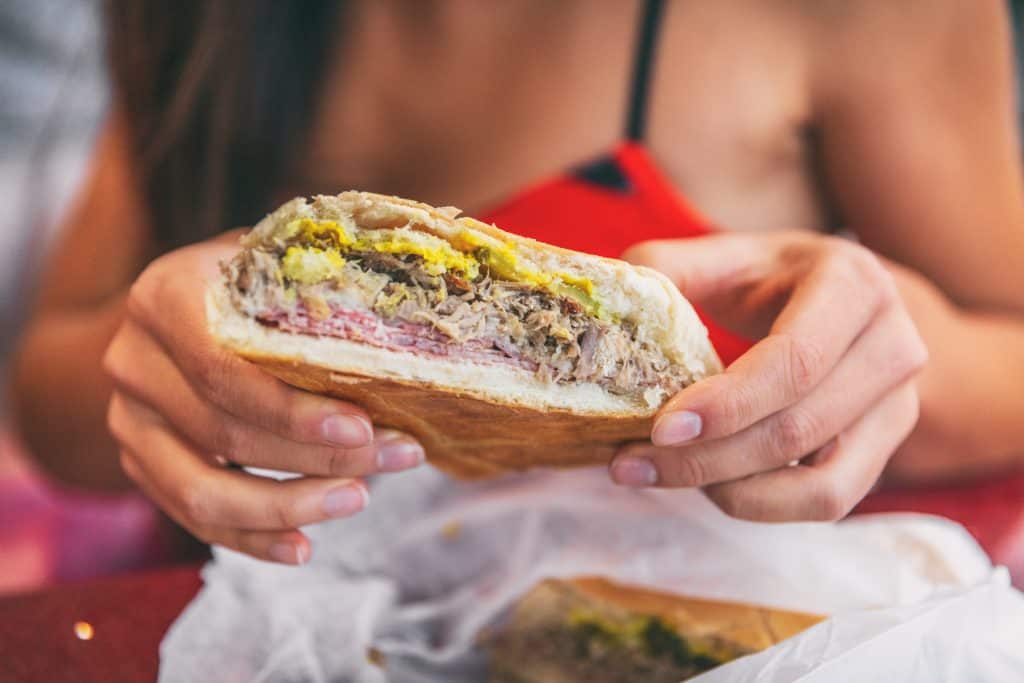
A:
x: 183, y: 408
x: 802, y: 425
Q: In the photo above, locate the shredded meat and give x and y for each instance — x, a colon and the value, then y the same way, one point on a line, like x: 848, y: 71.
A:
x: 487, y: 320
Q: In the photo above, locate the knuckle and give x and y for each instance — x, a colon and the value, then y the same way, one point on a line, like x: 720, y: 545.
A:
x: 145, y: 291
x: 920, y: 355
x: 722, y: 498
x: 128, y: 466
x: 348, y: 462
x: 830, y: 500
x: 213, y: 375
x: 136, y: 304
x: 805, y: 364
x: 734, y: 411
x: 294, y: 420
x: 111, y: 363
x: 240, y: 540
x: 333, y: 462
x: 908, y: 354
x: 196, y: 503
x: 911, y: 408
x: 687, y: 469
x: 116, y: 419
x: 794, y: 434
x: 121, y: 363
x: 285, y: 515
x: 732, y: 502
x: 235, y: 441
x: 864, y: 268
x: 909, y: 357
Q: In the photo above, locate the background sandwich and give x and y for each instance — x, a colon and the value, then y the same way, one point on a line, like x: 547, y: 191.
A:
x: 590, y: 630
x: 496, y: 351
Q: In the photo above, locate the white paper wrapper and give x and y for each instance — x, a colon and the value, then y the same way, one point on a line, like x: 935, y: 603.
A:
x: 430, y: 562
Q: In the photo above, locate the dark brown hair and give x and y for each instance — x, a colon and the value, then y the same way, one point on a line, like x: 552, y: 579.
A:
x: 217, y: 94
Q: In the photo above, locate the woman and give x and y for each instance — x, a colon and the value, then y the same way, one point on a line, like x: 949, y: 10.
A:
x: 781, y: 121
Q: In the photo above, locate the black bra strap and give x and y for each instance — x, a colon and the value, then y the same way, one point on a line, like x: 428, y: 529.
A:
x: 647, y: 40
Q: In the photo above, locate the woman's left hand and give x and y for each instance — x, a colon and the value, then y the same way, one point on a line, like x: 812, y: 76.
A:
x: 801, y: 426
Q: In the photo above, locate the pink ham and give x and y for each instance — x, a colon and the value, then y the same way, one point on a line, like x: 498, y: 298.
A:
x: 395, y: 335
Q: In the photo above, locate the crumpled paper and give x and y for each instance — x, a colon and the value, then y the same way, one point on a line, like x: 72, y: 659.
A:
x: 399, y: 592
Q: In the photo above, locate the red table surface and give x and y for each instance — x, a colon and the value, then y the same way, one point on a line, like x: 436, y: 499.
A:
x: 131, y: 614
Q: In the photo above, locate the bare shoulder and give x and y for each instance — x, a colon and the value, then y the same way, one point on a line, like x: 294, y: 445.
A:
x: 882, y: 45
x: 884, y: 22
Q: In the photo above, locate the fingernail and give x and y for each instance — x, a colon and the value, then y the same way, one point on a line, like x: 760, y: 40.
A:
x: 675, y: 428
x: 631, y: 471
x: 350, y: 431
x: 398, y: 454
x: 345, y: 500
x: 285, y: 552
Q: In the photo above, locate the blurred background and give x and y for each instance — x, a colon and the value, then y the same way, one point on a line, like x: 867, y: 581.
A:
x: 53, y: 94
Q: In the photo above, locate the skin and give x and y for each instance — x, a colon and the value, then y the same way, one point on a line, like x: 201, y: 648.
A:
x: 781, y: 120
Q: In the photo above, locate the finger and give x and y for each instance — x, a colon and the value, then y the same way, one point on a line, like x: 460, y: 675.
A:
x: 168, y: 301
x: 165, y: 390
x: 828, y: 486
x: 287, y: 547
x: 705, y: 266
x: 869, y: 371
x: 806, y: 342
x: 231, y: 237
x: 390, y: 451
x: 205, y: 495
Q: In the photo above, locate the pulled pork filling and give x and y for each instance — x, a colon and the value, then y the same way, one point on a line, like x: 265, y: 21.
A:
x: 393, y: 301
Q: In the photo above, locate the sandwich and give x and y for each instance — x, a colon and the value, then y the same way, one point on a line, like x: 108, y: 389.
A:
x: 496, y: 351
x: 591, y: 630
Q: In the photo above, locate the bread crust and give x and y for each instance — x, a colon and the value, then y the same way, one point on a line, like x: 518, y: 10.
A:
x: 463, y: 434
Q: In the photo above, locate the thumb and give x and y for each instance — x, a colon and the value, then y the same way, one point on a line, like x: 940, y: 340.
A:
x: 703, y: 268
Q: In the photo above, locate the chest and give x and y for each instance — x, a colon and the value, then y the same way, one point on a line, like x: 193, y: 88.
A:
x: 491, y: 111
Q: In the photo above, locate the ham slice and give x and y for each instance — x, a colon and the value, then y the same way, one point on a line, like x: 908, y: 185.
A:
x: 366, y: 327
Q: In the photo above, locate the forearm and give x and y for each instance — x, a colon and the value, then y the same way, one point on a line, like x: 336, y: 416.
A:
x: 971, y: 391
x: 60, y: 394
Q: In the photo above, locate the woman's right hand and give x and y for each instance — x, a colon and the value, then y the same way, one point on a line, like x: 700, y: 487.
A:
x: 184, y: 408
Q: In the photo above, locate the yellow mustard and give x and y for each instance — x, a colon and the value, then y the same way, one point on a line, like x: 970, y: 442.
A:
x: 314, y: 231
x: 470, y: 253
x: 437, y: 260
